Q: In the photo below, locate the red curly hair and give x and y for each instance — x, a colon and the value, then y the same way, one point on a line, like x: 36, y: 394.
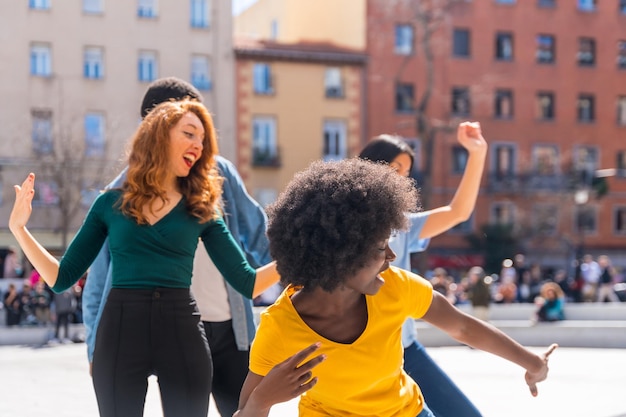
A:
x: 148, y: 164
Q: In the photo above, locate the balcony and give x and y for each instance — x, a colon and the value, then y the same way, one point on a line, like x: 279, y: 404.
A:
x: 533, y: 182
x: 266, y: 158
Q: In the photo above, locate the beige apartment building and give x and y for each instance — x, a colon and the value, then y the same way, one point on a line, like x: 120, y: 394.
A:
x: 72, y: 76
x: 298, y: 99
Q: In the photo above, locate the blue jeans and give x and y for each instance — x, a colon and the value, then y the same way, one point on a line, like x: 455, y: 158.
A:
x: 426, y: 412
x: 443, y: 397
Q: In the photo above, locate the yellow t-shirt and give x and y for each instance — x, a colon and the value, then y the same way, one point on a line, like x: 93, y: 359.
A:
x: 363, y: 378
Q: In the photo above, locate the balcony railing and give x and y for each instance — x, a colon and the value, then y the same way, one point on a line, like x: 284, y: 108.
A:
x: 533, y: 182
x: 266, y: 158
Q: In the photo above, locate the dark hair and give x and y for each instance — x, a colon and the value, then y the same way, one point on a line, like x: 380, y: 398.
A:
x: 385, y: 148
x: 331, y: 218
x: 167, y: 89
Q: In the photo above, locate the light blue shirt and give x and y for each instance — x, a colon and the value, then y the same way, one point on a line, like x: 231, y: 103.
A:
x: 246, y: 221
x: 404, y: 244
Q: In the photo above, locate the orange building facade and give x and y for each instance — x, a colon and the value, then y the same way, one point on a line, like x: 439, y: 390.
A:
x: 296, y: 103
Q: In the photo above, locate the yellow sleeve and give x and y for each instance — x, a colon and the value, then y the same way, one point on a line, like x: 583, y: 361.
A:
x: 267, y: 348
x: 416, y: 292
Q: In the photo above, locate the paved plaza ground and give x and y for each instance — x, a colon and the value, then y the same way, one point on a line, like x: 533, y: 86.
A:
x: 54, y: 381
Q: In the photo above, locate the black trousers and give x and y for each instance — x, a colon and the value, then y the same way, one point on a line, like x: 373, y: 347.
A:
x: 230, y: 366
x: 145, y: 332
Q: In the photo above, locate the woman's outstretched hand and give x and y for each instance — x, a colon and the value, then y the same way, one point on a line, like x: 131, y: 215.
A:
x: 23, y: 207
x: 288, y: 379
x: 533, y: 378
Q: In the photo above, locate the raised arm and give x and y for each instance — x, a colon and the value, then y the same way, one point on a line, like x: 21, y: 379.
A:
x: 266, y: 276
x: 460, y: 208
x: 39, y: 257
x: 480, y: 335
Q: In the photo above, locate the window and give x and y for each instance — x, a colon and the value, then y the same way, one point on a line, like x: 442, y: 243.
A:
x: 40, y: 60
x: 94, y: 134
x: 263, y: 79
x: 46, y: 193
x: 586, y: 219
x: 621, y: 164
x: 622, y: 6
x: 621, y: 54
x: 505, y: 1
x: 264, y: 149
x: 460, y: 101
x: 93, y: 66
x: 201, y: 72
x: 404, y: 40
x: 586, y: 161
x: 504, y: 104
x: 459, y: 159
x: 274, y: 29
x: 404, y: 97
x: 42, y: 132
x: 461, y: 43
x: 545, y: 106
x: 332, y: 82
x: 545, y: 53
x: 200, y: 13
x: 93, y: 6
x: 504, y: 46
x: 147, y: 8
x: 619, y: 222
x: 585, y: 107
x: 503, y: 160
x: 546, y: 3
x: 335, y: 143
x: 587, y: 5
x: 586, y: 52
x: 545, y: 159
x: 147, y: 66
x: 502, y: 213
x: 545, y: 219
x: 621, y: 110
x: 39, y: 4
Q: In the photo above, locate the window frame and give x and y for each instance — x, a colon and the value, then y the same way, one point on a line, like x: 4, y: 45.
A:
x: 262, y: 78
x: 200, y: 75
x: 147, y: 66
x: 500, y: 50
x: 95, y: 148
x: 40, y: 59
x: 93, y: 62
x: 404, y: 97
x: 545, y: 52
x: 543, y: 110
x: 200, y: 14
x: 404, y: 39
x: 338, y: 149
x: 461, y: 45
x: 460, y: 94
x: 591, y: 117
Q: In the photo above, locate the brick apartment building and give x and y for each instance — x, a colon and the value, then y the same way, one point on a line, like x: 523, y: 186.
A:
x: 547, y: 82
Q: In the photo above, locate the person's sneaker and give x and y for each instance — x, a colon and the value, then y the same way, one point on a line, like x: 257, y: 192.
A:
x: 66, y: 341
x: 54, y: 341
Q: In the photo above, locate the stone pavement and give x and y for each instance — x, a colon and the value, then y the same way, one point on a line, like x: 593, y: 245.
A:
x: 54, y: 381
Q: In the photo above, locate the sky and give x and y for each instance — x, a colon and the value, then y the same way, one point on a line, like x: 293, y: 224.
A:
x: 241, y: 5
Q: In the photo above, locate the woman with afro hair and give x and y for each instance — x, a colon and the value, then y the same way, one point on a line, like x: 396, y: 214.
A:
x: 329, y: 234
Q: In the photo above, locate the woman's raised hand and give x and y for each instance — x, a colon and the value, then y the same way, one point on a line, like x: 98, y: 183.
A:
x: 23, y: 203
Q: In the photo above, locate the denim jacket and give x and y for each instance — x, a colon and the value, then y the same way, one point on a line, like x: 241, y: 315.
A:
x: 246, y: 221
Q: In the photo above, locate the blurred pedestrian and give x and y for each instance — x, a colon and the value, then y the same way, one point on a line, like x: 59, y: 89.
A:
x: 479, y: 292
x: 606, y: 280
x: 550, y: 303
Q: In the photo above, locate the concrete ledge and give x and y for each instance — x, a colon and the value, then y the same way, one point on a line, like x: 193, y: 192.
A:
x: 36, y: 336
x: 567, y: 333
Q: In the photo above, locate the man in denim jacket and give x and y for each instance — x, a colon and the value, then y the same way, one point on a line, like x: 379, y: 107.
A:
x: 226, y: 314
